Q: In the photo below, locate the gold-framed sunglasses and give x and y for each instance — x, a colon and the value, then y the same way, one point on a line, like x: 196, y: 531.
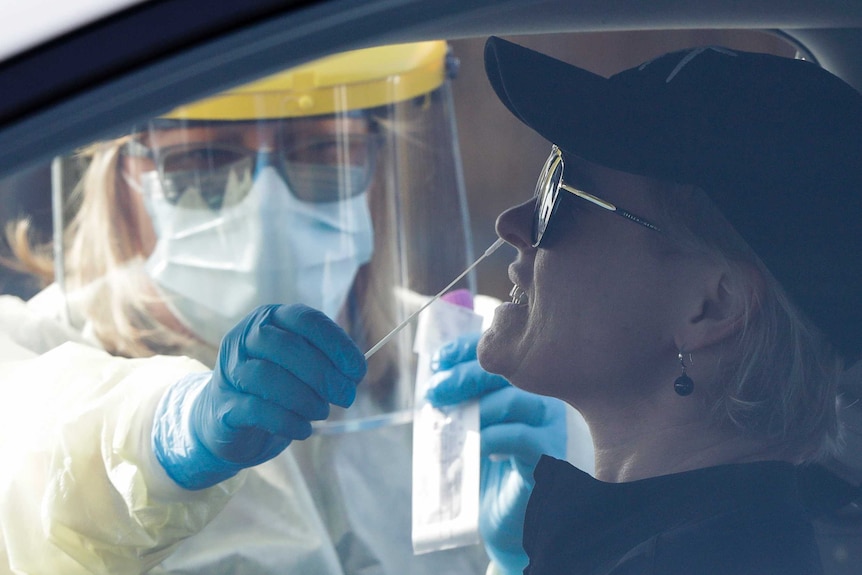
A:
x: 548, y: 195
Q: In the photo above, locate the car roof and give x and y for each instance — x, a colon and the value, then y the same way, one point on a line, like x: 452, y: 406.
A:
x: 127, y: 60
x: 25, y: 25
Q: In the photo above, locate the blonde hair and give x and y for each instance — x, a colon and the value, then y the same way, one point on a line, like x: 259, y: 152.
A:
x: 102, y: 260
x: 780, y: 381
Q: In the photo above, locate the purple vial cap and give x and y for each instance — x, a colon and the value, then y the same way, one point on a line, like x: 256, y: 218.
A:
x: 461, y: 297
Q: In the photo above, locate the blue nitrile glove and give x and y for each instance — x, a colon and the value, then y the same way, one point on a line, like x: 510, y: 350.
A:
x: 517, y: 428
x: 276, y: 371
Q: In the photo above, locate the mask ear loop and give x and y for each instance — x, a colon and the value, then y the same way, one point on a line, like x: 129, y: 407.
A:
x: 57, y: 209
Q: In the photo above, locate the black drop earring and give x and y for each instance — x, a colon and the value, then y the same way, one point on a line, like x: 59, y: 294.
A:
x: 683, y: 385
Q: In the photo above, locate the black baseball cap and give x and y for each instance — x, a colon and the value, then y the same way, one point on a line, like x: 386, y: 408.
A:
x: 775, y: 142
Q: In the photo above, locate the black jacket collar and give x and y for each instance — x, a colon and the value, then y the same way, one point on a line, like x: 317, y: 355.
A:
x: 734, y: 519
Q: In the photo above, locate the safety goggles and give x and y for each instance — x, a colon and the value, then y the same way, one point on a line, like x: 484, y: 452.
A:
x: 324, y: 168
x: 548, y: 195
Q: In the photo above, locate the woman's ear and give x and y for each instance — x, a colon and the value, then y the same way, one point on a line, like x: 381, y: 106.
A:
x: 720, y: 306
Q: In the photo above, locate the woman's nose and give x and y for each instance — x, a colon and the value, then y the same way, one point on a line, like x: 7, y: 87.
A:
x: 260, y: 136
x: 515, y: 225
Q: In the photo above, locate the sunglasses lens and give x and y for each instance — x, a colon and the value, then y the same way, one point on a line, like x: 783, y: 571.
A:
x: 547, y: 191
x: 330, y: 169
x: 214, y: 176
x: 205, y: 176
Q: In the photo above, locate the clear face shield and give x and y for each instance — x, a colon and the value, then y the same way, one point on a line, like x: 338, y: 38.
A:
x: 249, y: 213
x: 336, y: 184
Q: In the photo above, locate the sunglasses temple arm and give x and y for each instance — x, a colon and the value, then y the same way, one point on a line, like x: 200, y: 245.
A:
x: 610, y: 207
x: 637, y: 219
x: 590, y: 198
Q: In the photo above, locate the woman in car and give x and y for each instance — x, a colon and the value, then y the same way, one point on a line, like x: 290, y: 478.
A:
x: 323, y: 187
x: 687, y: 278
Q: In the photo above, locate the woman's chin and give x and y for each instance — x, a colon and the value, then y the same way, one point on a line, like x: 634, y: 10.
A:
x: 496, y: 352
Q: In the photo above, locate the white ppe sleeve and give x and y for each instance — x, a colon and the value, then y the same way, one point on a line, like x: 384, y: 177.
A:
x: 80, y: 488
x: 30, y: 328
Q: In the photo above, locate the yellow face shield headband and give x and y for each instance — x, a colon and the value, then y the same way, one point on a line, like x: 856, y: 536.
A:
x: 356, y: 80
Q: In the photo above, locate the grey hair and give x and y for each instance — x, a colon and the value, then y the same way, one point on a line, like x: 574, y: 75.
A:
x: 779, y: 383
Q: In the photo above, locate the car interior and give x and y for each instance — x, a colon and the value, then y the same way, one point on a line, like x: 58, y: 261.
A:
x: 147, y: 57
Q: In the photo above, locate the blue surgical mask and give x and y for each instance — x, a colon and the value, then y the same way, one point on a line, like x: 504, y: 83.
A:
x: 215, y: 267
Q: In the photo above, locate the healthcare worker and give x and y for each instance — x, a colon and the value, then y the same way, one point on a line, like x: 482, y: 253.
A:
x: 224, y: 268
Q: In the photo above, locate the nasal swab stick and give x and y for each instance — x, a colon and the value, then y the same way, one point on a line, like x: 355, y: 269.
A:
x: 401, y: 325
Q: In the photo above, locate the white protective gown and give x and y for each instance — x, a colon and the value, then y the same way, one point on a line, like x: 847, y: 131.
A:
x: 81, y: 491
